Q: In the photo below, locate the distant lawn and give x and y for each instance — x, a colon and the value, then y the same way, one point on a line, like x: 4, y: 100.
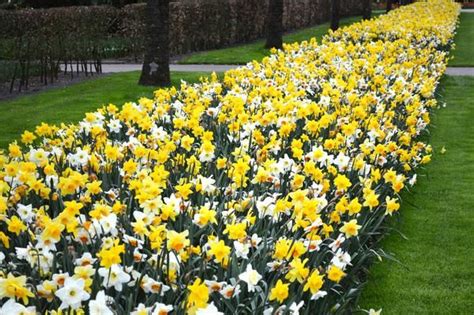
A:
x: 464, y: 52
x: 436, y: 274
x: 69, y: 104
x: 254, y: 51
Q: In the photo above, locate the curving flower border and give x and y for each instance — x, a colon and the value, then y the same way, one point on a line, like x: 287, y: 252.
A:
x: 259, y: 193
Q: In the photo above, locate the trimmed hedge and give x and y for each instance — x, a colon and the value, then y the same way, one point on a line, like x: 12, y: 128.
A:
x: 80, y: 37
x: 48, y: 37
x: 209, y: 24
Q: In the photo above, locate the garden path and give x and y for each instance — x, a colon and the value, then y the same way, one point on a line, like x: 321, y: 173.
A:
x: 464, y: 71
x: 126, y: 67
x: 115, y: 68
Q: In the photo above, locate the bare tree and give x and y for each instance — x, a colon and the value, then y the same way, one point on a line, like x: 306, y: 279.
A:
x: 335, y: 14
x: 367, y: 9
x: 274, y: 24
x: 156, y: 69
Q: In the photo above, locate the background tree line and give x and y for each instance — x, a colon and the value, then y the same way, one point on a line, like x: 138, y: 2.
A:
x: 36, y: 4
x: 155, y: 70
x: 83, y: 36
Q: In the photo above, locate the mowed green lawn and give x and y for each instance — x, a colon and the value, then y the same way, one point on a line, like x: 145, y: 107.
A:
x: 69, y: 104
x: 464, y: 52
x: 242, y: 54
x: 436, y: 274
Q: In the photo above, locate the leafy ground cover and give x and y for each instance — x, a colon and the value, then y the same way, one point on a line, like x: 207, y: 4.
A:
x: 69, y: 104
x: 255, y: 51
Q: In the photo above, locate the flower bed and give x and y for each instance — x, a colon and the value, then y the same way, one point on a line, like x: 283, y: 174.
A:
x: 260, y: 193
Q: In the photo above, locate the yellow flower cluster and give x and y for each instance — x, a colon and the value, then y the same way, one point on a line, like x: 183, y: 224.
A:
x: 259, y: 193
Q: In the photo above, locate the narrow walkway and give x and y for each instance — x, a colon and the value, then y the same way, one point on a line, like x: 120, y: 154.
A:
x: 115, y: 68
x: 173, y: 67
x: 465, y: 71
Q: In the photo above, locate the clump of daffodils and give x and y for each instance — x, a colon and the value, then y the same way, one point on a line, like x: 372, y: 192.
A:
x: 258, y: 194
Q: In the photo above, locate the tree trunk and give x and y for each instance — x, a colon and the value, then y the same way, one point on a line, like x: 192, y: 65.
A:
x: 367, y: 9
x: 156, y: 69
x: 274, y: 24
x: 335, y: 14
x: 389, y: 5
